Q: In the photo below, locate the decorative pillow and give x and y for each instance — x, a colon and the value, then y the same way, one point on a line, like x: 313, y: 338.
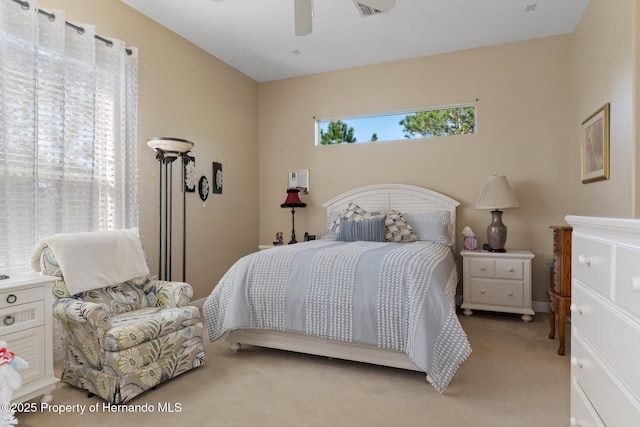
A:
x: 431, y: 226
x: 398, y: 229
x: 352, y: 213
x: 368, y: 230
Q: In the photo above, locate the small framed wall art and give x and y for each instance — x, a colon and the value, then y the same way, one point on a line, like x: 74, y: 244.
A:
x: 594, y: 146
x: 217, y: 178
x: 189, y: 164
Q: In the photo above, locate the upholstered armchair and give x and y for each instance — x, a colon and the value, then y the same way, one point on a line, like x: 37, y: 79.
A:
x: 124, y: 339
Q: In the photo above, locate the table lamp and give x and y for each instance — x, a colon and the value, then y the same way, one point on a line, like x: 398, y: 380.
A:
x: 496, y: 194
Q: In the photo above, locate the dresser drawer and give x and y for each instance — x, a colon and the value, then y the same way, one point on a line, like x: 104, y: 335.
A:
x: 482, y: 267
x: 497, y: 292
x: 616, y: 343
x: 582, y: 413
x: 509, y: 269
x: 21, y: 317
x: 591, y: 263
x: 627, y: 286
x: 605, y: 394
x: 21, y: 296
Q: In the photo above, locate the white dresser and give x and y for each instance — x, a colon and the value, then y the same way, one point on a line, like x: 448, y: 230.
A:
x: 605, y: 322
x: 26, y: 325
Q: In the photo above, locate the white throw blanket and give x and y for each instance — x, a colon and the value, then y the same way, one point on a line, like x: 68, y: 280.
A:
x: 95, y: 260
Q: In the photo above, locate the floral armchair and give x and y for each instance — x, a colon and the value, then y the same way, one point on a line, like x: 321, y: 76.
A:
x: 122, y: 340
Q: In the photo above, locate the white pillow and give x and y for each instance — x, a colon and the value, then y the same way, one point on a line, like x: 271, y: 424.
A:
x: 431, y: 226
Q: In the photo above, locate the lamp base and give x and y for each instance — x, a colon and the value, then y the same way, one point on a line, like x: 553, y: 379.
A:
x: 496, y: 232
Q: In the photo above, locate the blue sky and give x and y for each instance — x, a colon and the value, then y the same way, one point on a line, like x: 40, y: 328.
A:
x: 386, y: 127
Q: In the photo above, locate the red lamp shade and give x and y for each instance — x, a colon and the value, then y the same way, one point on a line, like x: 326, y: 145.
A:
x: 293, y: 200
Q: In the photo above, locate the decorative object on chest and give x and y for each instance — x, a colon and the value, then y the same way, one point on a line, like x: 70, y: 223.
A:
x: 560, y: 290
x: 497, y: 282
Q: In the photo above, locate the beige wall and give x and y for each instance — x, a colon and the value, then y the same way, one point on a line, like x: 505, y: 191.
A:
x: 603, y: 70
x: 187, y: 93
x: 523, y: 111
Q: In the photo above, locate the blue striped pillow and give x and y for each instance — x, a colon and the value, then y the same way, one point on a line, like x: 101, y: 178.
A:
x: 369, y: 230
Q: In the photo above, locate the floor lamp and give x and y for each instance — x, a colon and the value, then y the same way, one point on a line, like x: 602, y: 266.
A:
x: 167, y: 150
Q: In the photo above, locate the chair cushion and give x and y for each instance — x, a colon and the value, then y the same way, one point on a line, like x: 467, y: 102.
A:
x: 133, y: 328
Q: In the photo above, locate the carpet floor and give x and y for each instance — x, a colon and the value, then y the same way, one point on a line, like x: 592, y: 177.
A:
x: 513, y: 378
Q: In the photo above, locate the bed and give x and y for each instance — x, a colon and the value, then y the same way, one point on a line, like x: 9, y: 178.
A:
x: 353, y: 294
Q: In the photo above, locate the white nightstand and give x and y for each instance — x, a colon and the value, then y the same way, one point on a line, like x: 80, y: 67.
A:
x: 497, y: 281
x: 26, y: 325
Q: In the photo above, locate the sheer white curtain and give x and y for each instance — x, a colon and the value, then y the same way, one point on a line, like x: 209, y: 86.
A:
x: 68, y: 125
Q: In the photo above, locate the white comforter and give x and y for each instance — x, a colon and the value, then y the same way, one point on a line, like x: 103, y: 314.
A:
x: 397, y: 296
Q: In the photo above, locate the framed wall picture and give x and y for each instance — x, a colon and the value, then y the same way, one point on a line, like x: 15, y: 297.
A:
x: 189, y: 164
x: 217, y: 178
x: 594, y: 146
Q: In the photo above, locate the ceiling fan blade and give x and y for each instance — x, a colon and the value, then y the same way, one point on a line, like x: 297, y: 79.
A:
x: 381, y: 5
x: 303, y: 11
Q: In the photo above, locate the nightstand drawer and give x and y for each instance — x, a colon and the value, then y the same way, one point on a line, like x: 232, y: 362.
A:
x: 509, y: 269
x: 21, y: 317
x: 482, y: 267
x: 507, y: 293
x: 21, y: 296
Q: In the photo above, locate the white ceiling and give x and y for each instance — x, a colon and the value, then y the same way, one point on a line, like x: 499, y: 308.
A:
x: 257, y: 36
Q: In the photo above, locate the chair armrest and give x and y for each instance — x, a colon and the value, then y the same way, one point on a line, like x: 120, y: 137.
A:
x: 172, y: 294
x: 97, y: 316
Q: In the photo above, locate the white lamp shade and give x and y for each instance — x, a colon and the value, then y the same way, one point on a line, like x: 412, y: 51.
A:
x: 170, y: 145
x: 496, y: 193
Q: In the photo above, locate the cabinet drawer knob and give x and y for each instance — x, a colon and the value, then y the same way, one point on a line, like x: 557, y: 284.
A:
x: 635, y: 283
x: 11, y: 298
x: 483, y: 268
x: 584, y: 260
x: 575, y: 308
x: 576, y: 362
x: 482, y: 291
x: 573, y: 422
x: 9, y: 320
x: 510, y: 269
x: 510, y: 293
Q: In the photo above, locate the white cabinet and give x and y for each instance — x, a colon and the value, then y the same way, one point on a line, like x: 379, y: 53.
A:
x: 605, y: 321
x: 497, y: 281
x: 26, y: 325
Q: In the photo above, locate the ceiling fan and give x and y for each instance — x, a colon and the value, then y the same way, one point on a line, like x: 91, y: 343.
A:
x: 303, y: 12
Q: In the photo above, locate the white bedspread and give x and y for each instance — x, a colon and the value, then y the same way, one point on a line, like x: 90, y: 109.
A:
x: 95, y: 260
x: 397, y: 296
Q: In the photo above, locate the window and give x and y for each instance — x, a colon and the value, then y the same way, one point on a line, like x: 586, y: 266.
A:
x: 427, y: 123
x: 68, y: 128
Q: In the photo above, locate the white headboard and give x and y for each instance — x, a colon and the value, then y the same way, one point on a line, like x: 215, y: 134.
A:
x: 401, y: 197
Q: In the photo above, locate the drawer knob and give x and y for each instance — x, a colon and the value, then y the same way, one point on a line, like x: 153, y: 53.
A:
x: 576, y: 362
x: 510, y: 269
x: 510, y: 293
x: 584, y: 260
x: 11, y: 298
x: 483, y: 268
x: 573, y: 422
x: 482, y: 291
x: 9, y: 320
x: 635, y: 283
x: 575, y: 308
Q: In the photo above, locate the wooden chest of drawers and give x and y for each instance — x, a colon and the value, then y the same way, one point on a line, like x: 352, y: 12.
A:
x: 560, y: 292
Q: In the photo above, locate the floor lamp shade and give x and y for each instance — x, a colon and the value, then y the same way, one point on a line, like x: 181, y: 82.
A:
x: 167, y: 150
x: 293, y: 201
x: 496, y: 194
